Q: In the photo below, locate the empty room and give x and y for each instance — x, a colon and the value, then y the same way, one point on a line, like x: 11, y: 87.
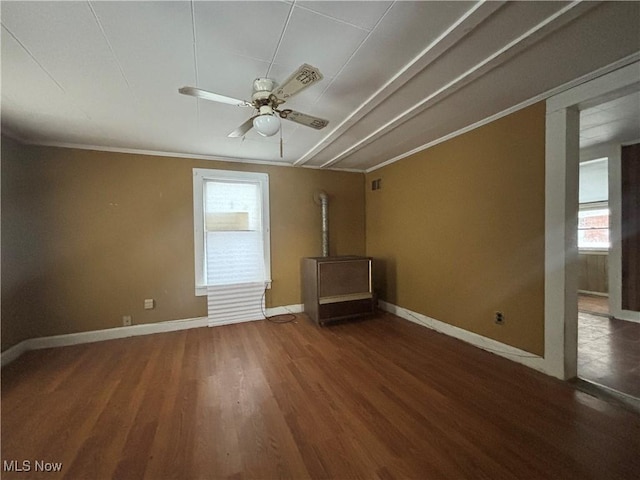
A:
x: 320, y: 239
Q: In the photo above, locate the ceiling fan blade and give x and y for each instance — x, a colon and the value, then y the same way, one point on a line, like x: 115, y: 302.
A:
x: 197, y: 92
x: 304, y: 119
x: 303, y: 77
x: 242, y: 129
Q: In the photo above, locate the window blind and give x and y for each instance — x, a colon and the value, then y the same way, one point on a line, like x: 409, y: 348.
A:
x: 234, y: 233
x: 235, y: 303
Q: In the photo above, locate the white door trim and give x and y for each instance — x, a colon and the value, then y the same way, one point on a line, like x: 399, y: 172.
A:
x: 561, y: 207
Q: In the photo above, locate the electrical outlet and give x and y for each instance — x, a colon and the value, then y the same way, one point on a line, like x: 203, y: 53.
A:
x: 126, y: 321
x: 499, y: 319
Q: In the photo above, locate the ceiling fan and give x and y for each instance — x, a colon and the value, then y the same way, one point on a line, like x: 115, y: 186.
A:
x: 266, y: 99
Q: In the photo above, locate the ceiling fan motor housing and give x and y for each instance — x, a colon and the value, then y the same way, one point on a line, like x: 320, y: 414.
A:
x: 266, y: 110
x: 263, y: 95
x: 263, y: 84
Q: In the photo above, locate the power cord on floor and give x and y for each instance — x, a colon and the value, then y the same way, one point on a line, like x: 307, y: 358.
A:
x: 281, y: 318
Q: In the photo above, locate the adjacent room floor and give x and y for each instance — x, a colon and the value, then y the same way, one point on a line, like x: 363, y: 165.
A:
x: 608, y: 348
x: 594, y: 304
x: 381, y: 398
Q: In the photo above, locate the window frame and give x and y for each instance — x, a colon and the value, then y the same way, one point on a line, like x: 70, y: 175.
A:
x: 585, y: 207
x: 200, y: 176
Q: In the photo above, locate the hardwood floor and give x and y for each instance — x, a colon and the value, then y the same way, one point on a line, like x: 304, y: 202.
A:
x: 608, y: 348
x: 609, y: 353
x: 380, y: 398
x: 593, y: 304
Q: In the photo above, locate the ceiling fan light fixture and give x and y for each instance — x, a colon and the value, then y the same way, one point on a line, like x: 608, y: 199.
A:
x: 266, y: 100
x: 267, y: 123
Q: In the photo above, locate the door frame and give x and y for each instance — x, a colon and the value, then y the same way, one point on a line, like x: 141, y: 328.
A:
x: 561, y: 211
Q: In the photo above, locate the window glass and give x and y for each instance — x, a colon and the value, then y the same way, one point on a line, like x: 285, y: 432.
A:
x: 593, y: 228
x: 231, y: 228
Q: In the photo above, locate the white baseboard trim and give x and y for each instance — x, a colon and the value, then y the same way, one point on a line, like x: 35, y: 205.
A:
x: 270, y: 312
x: 298, y: 308
x: 283, y: 310
x: 38, y: 343
x: 597, y: 294
x: 507, y: 351
x: 12, y: 353
x: 627, y: 316
x: 231, y: 322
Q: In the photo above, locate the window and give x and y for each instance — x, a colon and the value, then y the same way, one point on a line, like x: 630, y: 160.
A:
x: 594, y: 181
x: 593, y: 214
x: 231, y: 228
x: 593, y: 227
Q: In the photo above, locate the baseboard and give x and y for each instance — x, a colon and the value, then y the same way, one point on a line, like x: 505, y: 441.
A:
x: 507, y: 351
x: 38, y: 343
x: 595, y: 294
x: 299, y: 308
x: 628, y: 316
x: 12, y: 353
x: 608, y: 394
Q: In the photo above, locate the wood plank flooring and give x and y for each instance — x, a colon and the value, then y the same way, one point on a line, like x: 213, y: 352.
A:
x: 593, y: 304
x: 609, y: 353
x: 380, y: 398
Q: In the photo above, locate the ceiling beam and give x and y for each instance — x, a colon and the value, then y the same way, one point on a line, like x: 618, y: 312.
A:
x: 534, y: 34
x: 460, y: 28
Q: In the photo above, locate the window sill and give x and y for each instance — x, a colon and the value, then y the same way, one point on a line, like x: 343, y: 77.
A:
x: 201, y: 290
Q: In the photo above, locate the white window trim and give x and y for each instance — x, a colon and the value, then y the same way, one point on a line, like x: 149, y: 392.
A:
x: 583, y: 207
x: 200, y: 175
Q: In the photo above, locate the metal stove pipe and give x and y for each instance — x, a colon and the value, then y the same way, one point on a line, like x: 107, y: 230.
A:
x: 324, y: 204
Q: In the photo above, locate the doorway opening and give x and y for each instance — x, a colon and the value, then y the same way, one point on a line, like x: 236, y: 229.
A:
x: 608, y: 346
x: 563, y: 151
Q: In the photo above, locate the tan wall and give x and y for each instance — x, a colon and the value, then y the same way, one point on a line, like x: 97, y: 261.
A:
x: 459, y: 230
x: 92, y: 234
x: 20, y: 268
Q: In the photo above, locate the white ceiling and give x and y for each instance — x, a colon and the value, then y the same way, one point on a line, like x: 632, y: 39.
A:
x: 398, y: 75
x: 615, y: 121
